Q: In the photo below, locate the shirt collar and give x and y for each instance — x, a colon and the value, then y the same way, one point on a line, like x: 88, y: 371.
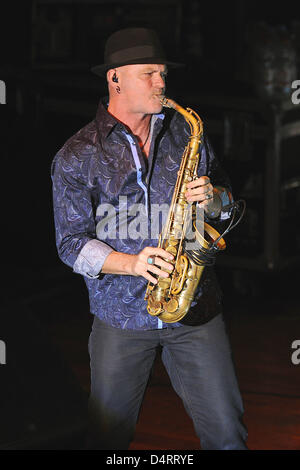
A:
x: 105, y: 121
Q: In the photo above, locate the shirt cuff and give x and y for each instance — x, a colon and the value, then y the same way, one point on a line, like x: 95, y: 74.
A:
x: 91, y: 258
x: 226, y: 199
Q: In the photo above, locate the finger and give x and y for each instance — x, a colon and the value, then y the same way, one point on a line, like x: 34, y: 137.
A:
x: 156, y: 251
x: 202, y: 191
x: 202, y: 188
x: 203, y: 204
x: 202, y: 181
x: 150, y: 278
x: 200, y: 194
x: 199, y: 199
x: 156, y: 270
x: 163, y: 264
x: 199, y: 190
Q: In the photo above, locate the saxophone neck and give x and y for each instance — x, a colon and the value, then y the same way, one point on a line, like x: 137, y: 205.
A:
x: 168, y: 103
x: 190, y: 115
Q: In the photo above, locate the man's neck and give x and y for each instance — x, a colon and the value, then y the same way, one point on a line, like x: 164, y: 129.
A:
x: 137, y: 123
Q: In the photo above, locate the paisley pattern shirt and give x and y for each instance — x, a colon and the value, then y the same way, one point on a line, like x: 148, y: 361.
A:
x: 108, y: 196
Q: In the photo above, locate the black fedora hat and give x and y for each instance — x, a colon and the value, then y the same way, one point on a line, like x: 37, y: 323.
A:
x: 132, y: 46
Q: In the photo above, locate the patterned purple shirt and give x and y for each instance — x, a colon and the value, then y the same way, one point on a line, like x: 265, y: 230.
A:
x: 108, y: 196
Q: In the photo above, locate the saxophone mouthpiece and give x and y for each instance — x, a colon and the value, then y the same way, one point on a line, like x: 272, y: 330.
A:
x: 164, y: 101
x: 167, y: 102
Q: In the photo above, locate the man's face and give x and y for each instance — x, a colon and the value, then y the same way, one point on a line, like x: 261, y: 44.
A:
x: 142, y: 86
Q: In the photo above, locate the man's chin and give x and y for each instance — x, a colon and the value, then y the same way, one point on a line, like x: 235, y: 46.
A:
x: 157, y: 106
x: 158, y: 109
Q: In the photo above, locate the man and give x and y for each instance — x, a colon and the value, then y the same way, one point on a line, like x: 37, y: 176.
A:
x: 128, y: 158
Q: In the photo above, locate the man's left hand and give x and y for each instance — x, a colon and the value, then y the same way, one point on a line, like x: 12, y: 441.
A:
x: 202, y: 191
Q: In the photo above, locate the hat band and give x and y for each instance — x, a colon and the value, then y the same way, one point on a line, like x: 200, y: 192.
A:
x: 134, y: 53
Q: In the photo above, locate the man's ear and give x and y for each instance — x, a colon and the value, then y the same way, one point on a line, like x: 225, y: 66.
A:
x: 112, y: 76
x: 108, y: 76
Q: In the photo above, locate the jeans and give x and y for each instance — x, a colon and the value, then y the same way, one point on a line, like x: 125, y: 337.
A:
x: 199, y: 363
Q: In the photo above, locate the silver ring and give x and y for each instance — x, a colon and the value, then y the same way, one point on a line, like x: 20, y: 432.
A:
x: 151, y: 259
x: 208, y: 196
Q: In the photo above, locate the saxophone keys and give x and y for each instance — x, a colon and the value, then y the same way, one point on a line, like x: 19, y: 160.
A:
x: 171, y: 245
x: 164, y: 282
x: 172, y: 248
x: 172, y: 305
x: 154, y: 307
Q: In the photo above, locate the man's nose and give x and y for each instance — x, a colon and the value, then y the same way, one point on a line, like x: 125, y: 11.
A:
x: 160, y: 82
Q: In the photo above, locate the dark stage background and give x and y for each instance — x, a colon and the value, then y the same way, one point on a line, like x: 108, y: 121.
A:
x: 242, y: 58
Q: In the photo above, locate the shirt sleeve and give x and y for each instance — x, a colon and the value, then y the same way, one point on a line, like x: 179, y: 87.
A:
x: 210, y: 166
x: 75, y: 231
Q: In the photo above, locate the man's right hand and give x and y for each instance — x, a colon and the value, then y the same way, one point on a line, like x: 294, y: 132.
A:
x: 137, y: 265
x: 141, y: 267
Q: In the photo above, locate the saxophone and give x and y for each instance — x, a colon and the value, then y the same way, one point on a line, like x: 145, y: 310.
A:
x: 170, y: 299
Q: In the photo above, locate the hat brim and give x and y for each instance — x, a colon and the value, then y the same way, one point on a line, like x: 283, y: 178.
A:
x: 101, y: 70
